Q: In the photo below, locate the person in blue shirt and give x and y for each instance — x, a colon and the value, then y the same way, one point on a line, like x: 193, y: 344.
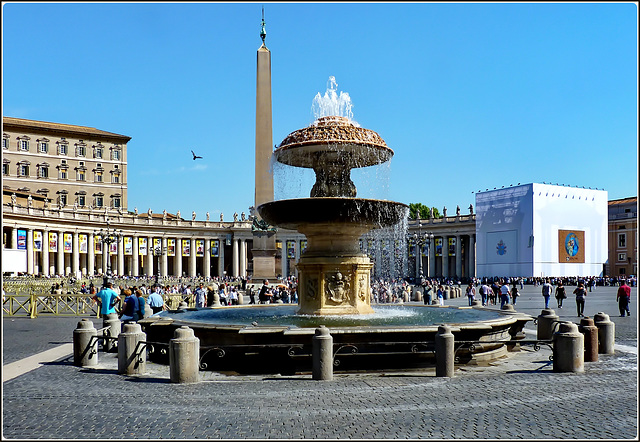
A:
x: 107, y: 298
x: 139, y: 310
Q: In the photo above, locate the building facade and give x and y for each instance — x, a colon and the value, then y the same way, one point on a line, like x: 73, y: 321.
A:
x: 623, y: 237
x: 69, y: 165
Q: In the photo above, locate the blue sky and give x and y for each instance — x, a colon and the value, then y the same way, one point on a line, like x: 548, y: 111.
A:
x: 469, y: 96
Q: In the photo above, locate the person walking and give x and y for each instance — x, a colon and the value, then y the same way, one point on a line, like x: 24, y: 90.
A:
x: 107, y: 298
x: 201, y: 296
x: 440, y: 295
x: 504, y: 294
x: 471, y: 293
x: 581, y: 294
x: 514, y: 292
x: 547, y: 289
x: 624, y: 298
x: 561, y: 293
x: 155, y: 301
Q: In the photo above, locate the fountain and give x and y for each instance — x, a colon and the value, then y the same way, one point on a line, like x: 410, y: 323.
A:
x: 334, y: 275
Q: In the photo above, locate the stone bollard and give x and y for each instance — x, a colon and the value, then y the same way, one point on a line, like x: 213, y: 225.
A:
x: 111, y: 333
x: 240, y: 299
x: 216, y: 300
x: 546, y: 321
x: 590, y: 332
x: 183, y: 305
x: 417, y: 295
x: 322, y: 355
x: 444, y: 352
x: 132, y: 357
x: 447, y: 292
x: 606, y: 333
x: 405, y: 296
x: 85, y: 344
x: 568, y: 349
x: 184, y: 356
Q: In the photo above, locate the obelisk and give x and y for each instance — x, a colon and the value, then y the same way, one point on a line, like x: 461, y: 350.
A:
x: 264, y: 240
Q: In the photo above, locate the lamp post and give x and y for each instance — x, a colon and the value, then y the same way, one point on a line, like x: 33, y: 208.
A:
x: 159, y: 251
x: 417, y: 241
x: 108, y: 237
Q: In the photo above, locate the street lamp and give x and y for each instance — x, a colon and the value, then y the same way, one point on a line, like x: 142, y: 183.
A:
x: 107, y: 237
x: 159, y: 251
x: 418, y: 240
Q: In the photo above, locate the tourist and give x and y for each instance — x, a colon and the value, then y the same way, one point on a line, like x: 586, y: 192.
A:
x: 155, y: 301
x: 201, y: 296
x: 265, y: 295
x: 547, y: 289
x: 581, y: 294
x: 624, y: 298
x: 561, y: 293
x: 107, y: 298
x: 471, y: 293
x: 426, y: 292
x: 495, y: 289
x: 484, y: 293
x: 514, y: 292
x: 504, y: 294
x: 252, y: 295
x: 130, y: 306
x: 440, y: 294
x: 210, y: 295
x: 140, y: 304
x: 233, y: 296
x: 222, y: 294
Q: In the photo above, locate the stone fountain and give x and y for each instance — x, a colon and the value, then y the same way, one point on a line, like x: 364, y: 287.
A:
x: 334, y: 275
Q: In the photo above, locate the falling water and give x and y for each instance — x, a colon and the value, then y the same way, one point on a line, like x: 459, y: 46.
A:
x: 332, y: 103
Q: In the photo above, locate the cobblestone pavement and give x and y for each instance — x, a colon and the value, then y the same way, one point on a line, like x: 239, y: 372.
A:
x: 519, y: 397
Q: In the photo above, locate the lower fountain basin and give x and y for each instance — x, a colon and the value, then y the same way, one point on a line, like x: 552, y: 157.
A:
x: 393, y: 337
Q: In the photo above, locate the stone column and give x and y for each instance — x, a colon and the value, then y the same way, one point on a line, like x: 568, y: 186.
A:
x: 472, y: 255
x: 14, y: 238
x: 284, y: 261
x: 445, y: 256
x: 105, y: 256
x: 432, y: 257
x: 30, y: 251
x: 207, y: 258
x: 164, y: 258
x: 243, y: 257
x: 60, y: 256
x: 135, y: 257
x: 149, y: 257
x: 121, y: 255
x: 221, y: 257
x: 45, y: 252
x: 235, y: 257
x: 178, y: 258
x: 75, y: 254
x: 91, y: 254
x: 458, y: 271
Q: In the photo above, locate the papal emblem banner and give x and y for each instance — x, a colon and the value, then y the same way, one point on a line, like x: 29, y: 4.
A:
x: 291, y: 249
x: 215, y: 248
x: 452, y: 247
x: 142, y: 246
x: 171, y: 247
x: 186, y: 247
x: 128, y: 245
x: 68, y: 238
x: 37, y: 241
x: 199, y: 247
x: 438, y: 246
x: 83, y: 241
x: 53, y: 242
x: 97, y: 244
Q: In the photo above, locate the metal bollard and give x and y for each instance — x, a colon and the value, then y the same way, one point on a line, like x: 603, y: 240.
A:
x: 85, y: 344
x: 546, y: 321
x: 322, y: 355
x: 132, y: 356
x: 590, y: 332
x: 184, y: 355
x: 568, y: 349
x: 606, y: 333
x: 111, y: 333
x: 445, y: 361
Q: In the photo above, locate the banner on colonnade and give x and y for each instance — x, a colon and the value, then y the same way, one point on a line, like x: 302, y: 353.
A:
x: 303, y: 245
x: 68, y: 242
x: 186, y: 247
x: 53, y: 242
x: 171, y: 247
x: 97, y: 244
x: 83, y: 241
x: 22, y: 239
x: 128, y: 245
x: 199, y: 247
x: 215, y: 248
x: 37, y: 241
x: 438, y: 246
x: 291, y: 249
x: 157, y: 245
x: 113, y: 248
x: 142, y: 246
x: 571, y: 246
x: 452, y: 247
x: 424, y: 250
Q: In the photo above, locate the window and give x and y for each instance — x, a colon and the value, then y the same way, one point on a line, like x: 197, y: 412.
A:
x: 5, y: 142
x: 98, y: 153
x: 116, y: 202
x: 5, y: 169
x: 62, y: 148
x: 623, y: 271
x: 622, y: 240
x: 43, y: 147
x: 81, y: 200
x: 63, y: 199
x: 23, y: 145
x: 23, y: 170
x: 63, y: 174
x: 98, y: 177
x: 116, y: 178
x: 622, y: 256
x: 81, y: 175
x: 43, y: 172
x: 99, y: 201
x: 115, y: 154
x: 81, y: 150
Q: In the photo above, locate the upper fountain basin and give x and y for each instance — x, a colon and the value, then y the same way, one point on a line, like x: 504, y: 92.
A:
x: 293, y: 213
x: 334, y: 140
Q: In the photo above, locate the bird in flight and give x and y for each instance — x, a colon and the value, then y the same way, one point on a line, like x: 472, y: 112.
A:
x: 194, y: 155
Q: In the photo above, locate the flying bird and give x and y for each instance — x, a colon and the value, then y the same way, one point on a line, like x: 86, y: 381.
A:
x: 194, y: 155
